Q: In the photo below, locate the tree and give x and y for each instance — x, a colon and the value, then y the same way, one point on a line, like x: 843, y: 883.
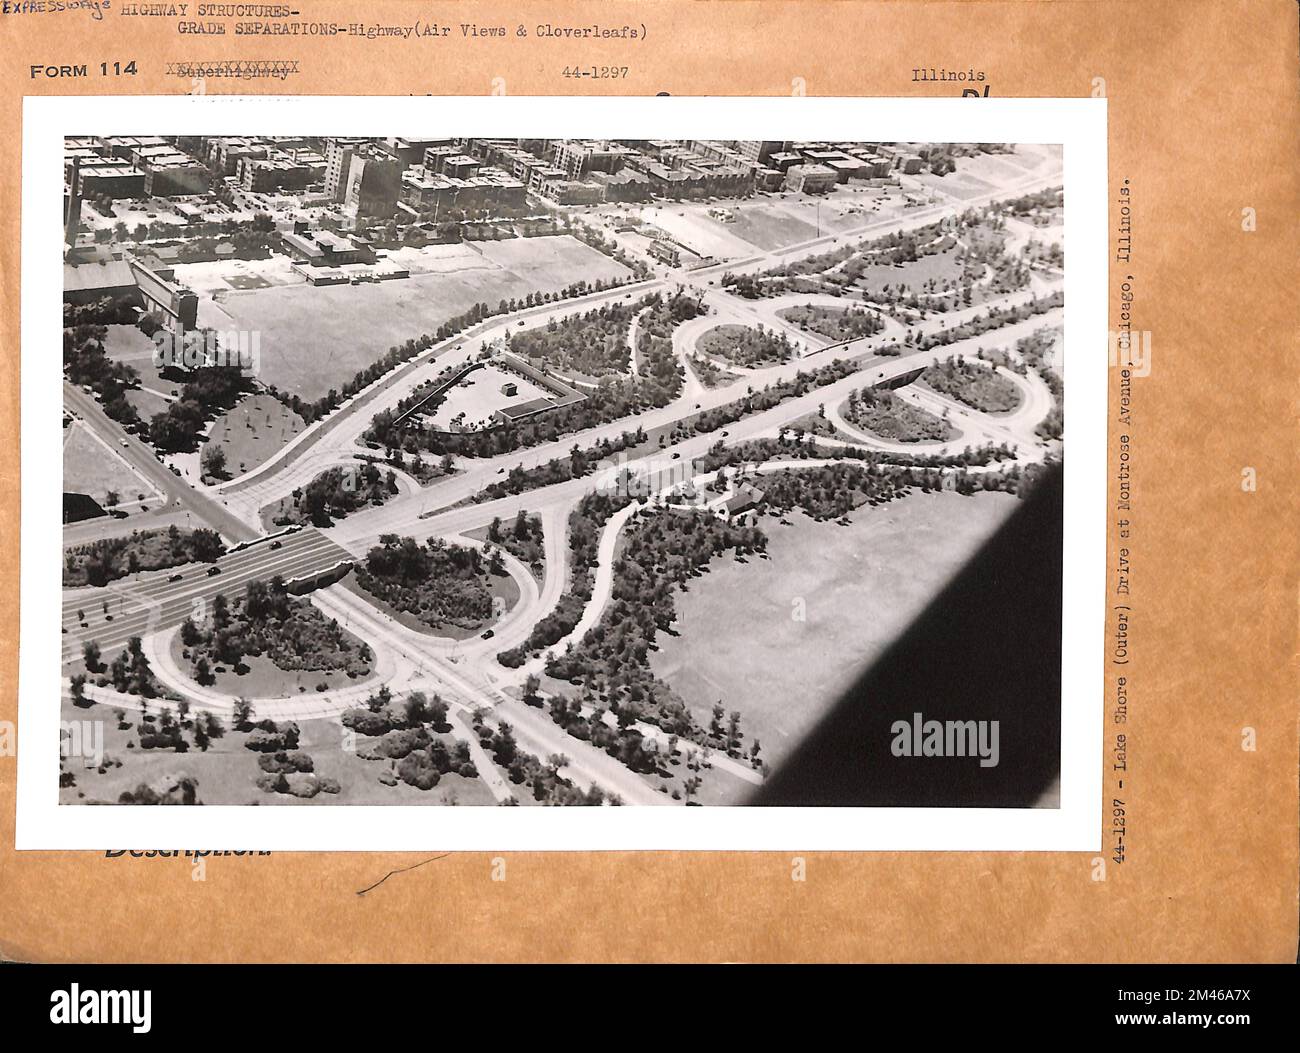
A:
x: 436, y: 712
x: 213, y: 461
x: 242, y: 713
x: 531, y: 684
x: 78, y: 684
x: 91, y: 656
x: 416, y: 708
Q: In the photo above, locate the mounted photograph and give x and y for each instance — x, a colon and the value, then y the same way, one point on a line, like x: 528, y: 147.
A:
x: 455, y: 471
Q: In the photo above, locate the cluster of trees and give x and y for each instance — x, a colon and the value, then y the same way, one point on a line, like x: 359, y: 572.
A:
x: 1030, y: 204
x: 621, y: 741
x: 660, y: 554
x: 267, y: 620
x: 882, y: 412
x: 834, y: 490
x: 99, y: 562
x: 184, y: 791
x: 848, y: 323
x: 791, y: 446
x: 838, y: 268
x: 336, y: 492
x: 208, y: 391
x: 525, y: 769
x: 129, y: 673
x: 606, y: 246
x: 585, y: 524
x: 594, y: 344
x: 576, y: 465
x: 979, y: 386
x: 994, y: 319
x: 404, y: 732
x: 86, y: 364
x: 747, y: 347
x: 659, y: 367
x: 247, y: 245
x: 974, y: 239
x: 438, y: 583
x: 773, y: 395
x: 107, y: 310
x: 523, y: 540
x: 710, y: 373
x: 1036, y: 350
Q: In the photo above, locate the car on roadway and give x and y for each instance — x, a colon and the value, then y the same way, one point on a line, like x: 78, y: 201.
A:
x: 213, y: 571
x: 521, y: 321
x: 276, y: 544
x: 123, y: 442
x: 488, y: 635
x: 675, y: 455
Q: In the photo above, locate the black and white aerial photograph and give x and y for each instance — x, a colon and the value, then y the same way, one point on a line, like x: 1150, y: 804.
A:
x: 521, y: 472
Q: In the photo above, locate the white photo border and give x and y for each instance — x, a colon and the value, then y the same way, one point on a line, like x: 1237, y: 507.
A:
x: 1078, y: 125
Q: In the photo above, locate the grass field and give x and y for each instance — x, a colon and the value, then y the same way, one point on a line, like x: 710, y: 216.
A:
x: 227, y: 772
x: 126, y: 344
x: 941, y: 266
x: 255, y: 429
x: 92, y: 467
x: 862, y: 585
x: 314, y: 338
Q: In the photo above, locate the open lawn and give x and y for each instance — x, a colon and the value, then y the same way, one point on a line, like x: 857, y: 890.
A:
x: 940, y: 267
x: 128, y: 345
x: 315, y: 338
x: 254, y: 430
x: 862, y: 585
x: 91, y: 466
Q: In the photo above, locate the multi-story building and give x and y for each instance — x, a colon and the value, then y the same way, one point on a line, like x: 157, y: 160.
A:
x: 811, y: 179
x: 271, y: 174
x: 338, y: 158
x: 760, y: 152
x: 174, y: 174
x: 374, y: 184
x: 105, y: 176
x: 580, y: 157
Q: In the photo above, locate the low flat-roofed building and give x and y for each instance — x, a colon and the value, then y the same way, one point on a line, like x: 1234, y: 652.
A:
x: 93, y: 280
x: 324, y: 248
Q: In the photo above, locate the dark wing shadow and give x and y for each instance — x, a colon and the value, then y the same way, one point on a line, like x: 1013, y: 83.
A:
x: 987, y: 648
